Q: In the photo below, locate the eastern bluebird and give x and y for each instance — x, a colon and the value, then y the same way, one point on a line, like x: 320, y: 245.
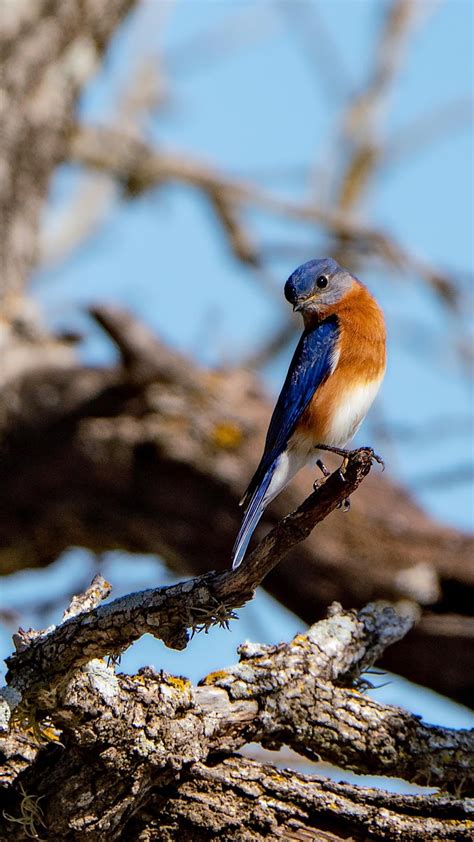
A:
x: 333, y: 378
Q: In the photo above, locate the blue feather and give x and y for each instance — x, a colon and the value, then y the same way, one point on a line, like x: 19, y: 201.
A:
x: 310, y: 367
x: 252, y: 516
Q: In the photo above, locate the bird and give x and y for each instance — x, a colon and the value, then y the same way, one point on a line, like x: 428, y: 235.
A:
x: 333, y: 378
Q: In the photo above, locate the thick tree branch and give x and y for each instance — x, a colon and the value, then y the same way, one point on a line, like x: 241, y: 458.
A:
x: 263, y: 802
x: 48, y: 52
x: 152, y: 729
x: 292, y: 693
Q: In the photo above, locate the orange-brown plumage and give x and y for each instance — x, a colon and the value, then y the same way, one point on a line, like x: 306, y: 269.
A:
x: 361, y: 358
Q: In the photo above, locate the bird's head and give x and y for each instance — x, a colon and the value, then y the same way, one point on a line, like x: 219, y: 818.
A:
x: 316, y: 285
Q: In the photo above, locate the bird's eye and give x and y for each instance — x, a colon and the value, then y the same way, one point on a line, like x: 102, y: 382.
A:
x: 322, y: 282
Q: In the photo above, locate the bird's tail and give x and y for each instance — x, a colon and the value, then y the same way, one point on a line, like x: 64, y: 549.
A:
x: 252, y: 516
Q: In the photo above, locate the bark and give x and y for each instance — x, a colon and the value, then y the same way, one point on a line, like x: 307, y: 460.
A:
x: 163, y: 450
x: 117, y: 753
x: 239, y: 799
x: 48, y: 51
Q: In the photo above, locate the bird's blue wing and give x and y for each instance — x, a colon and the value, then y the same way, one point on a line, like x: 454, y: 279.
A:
x: 311, y: 365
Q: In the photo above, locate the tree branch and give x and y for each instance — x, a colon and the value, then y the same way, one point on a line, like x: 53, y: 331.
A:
x: 168, y: 613
x: 48, y: 52
x: 140, y: 167
x: 263, y: 802
x: 152, y: 728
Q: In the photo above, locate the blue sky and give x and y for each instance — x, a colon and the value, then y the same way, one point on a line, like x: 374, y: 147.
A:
x: 255, y: 100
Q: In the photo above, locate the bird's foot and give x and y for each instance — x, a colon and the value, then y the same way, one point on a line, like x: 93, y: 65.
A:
x: 325, y: 472
x: 345, y: 453
x: 345, y: 505
x: 322, y: 468
x: 341, y: 451
x: 377, y: 459
x: 343, y: 467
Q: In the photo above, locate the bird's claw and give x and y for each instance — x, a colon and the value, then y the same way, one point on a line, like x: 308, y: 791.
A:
x: 343, y: 468
x: 378, y: 459
x: 341, y: 451
x: 345, y: 453
x: 322, y: 468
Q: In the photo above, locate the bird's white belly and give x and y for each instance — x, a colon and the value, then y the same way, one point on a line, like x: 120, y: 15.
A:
x: 350, y: 412
x: 346, y: 420
x: 289, y: 463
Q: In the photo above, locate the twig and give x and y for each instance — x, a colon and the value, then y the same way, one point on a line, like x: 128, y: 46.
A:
x: 97, y: 591
x: 429, y: 128
x: 140, y: 167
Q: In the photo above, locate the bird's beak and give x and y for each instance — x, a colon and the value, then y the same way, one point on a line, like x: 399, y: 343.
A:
x: 303, y: 303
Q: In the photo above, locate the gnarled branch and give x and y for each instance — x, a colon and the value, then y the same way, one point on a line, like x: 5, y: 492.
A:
x: 262, y: 802
x: 153, y: 729
x: 168, y: 613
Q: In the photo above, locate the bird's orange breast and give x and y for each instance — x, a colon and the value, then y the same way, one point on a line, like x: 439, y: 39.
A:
x: 342, y: 400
